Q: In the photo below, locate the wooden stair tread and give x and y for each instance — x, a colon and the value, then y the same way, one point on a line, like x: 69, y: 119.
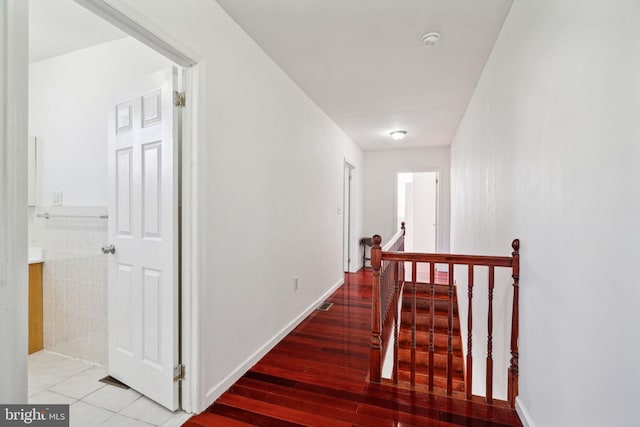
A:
x: 425, y: 310
x: 440, y: 338
x: 439, y: 378
x: 423, y: 320
x: 406, y: 346
x: 439, y: 360
x: 424, y: 370
x: 459, y: 394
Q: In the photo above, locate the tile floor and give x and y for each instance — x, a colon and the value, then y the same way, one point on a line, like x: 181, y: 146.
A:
x: 57, y: 379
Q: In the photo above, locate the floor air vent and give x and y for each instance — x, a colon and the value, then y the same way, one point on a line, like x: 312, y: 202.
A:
x: 112, y: 381
x: 325, y: 306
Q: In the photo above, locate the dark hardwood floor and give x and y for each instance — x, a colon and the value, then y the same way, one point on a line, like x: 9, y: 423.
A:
x: 317, y: 376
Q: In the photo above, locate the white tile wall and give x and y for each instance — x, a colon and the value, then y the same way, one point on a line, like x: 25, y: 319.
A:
x: 74, y: 280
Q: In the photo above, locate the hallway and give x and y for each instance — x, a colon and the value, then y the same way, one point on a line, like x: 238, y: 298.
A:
x: 317, y: 376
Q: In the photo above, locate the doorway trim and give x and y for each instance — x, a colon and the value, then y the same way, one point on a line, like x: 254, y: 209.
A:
x: 13, y: 200
x: 135, y: 24
x: 348, y: 258
x: 138, y: 27
x: 13, y: 217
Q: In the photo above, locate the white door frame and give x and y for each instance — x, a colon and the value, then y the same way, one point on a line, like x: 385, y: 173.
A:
x: 136, y: 26
x: 13, y: 200
x: 13, y: 191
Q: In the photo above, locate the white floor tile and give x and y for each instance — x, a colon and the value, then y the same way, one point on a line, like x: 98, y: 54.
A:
x: 44, y: 374
x: 47, y: 397
x: 121, y: 421
x: 36, y: 386
x: 39, y: 368
x: 148, y: 411
x: 47, y: 369
x: 95, y: 373
x: 112, y: 398
x: 56, y: 379
x: 69, y: 367
x: 43, y: 358
x: 84, y: 415
x: 82, y: 384
x: 177, y: 419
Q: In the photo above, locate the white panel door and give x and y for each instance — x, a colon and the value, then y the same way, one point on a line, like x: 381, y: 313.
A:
x: 143, y: 229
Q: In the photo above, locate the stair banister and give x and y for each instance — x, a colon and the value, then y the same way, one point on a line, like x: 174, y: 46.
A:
x: 375, y: 358
x: 386, y: 263
x: 388, y: 280
x: 515, y: 318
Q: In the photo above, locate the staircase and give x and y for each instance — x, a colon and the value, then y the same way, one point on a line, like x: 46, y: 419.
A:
x: 432, y: 306
x: 423, y: 327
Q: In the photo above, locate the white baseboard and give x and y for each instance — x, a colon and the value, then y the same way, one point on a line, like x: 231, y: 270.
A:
x: 216, y: 391
x: 524, y: 415
x: 358, y: 267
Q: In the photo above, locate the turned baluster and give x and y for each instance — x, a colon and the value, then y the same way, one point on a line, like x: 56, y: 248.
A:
x: 450, y: 335
x: 489, y: 397
x: 396, y: 321
x: 376, y: 334
x: 513, y: 369
x: 413, y: 322
x: 401, y: 266
x: 469, y: 379
x: 432, y: 322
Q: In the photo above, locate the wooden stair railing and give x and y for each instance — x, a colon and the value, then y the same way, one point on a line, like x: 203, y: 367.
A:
x: 388, y: 282
x: 388, y: 276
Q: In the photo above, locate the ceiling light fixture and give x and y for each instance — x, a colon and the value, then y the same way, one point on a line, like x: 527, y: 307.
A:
x: 430, y: 39
x: 397, y: 135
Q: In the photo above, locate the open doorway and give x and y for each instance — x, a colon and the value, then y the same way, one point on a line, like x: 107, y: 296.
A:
x: 417, y: 205
x: 71, y: 81
x: 348, y: 250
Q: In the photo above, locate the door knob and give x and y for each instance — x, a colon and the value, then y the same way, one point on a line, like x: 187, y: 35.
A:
x: 109, y: 249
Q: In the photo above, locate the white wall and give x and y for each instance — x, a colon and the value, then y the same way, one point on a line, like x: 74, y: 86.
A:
x: 548, y: 152
x: 68, y: 107
x: 381, y: 168
x: 269, y: 168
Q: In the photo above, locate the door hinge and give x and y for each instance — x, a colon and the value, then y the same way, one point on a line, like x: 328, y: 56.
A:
x: 179, y: 99
x: 178, y: 373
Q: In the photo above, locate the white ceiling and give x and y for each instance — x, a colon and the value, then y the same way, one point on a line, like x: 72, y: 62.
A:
x: 57, y: 27
x: 362, y: 62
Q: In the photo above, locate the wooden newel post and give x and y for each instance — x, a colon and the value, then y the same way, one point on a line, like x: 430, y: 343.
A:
x: 513, y: 369
x: 402, y: 227
x: 375, y: 358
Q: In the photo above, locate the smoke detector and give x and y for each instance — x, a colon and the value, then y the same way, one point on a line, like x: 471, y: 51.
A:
x: 430, y: 39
